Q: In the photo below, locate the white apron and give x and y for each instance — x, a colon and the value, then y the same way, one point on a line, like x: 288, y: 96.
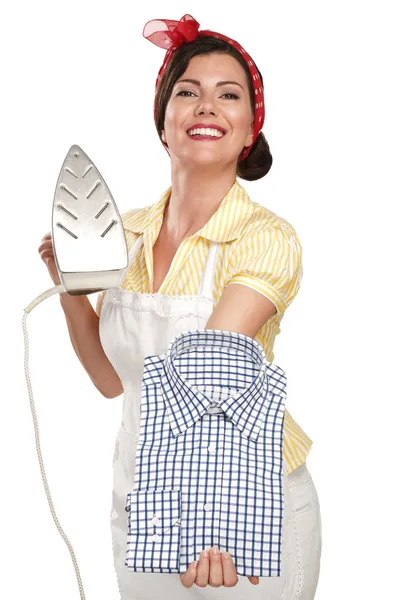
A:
x: 135, y: 325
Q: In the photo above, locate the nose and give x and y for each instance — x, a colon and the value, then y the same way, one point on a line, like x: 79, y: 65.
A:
x: 207, y: 110
x: 206, y: 107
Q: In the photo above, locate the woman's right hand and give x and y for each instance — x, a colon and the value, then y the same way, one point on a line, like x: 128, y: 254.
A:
x: 47, y: 255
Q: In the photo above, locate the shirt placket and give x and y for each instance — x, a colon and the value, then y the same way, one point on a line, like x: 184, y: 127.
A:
x: 212, y: 459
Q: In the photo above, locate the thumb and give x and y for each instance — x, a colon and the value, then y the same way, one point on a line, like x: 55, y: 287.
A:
x: 254, y: 580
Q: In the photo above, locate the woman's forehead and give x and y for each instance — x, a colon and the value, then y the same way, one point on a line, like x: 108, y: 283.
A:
x: 214, y: 66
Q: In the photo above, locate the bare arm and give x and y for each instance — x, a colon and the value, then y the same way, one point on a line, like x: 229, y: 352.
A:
x: 83, y: 327
x: 241, y: 309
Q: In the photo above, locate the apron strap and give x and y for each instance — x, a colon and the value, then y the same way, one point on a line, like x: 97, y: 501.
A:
x: 135, y: 249
x: 132, y: 252
x: 207, y: 277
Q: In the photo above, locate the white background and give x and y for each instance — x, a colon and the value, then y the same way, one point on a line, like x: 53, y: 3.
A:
x: 81, y: 72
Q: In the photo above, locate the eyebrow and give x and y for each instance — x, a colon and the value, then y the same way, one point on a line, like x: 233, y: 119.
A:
x: 196, y: 82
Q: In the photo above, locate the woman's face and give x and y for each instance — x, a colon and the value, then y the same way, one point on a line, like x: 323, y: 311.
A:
x: 227, y: 106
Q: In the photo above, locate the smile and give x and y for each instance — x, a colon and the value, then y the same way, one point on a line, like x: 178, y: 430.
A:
x: 200, y: 137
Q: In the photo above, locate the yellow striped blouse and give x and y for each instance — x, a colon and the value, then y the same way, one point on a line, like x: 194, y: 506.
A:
x: 260, y: 250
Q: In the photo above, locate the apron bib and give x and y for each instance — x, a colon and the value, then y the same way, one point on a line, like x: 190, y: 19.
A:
x: 133, y: 326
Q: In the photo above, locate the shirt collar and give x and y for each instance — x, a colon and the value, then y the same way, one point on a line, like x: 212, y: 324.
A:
x: 247, y: 409
x: 221, y: 227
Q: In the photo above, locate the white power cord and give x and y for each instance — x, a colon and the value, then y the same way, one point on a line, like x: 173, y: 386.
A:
x: 54, y: 290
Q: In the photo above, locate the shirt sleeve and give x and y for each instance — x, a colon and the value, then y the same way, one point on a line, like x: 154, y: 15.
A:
x: 270, y: 262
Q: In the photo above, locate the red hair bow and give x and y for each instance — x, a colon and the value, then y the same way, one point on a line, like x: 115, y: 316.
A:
x: 166, y: 33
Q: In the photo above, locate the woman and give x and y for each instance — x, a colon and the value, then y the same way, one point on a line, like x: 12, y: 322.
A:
x: 186, y: 250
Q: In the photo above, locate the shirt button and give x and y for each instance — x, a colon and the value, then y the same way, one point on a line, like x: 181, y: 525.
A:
x: 155, y: 537
x: 155, y: 520
x: 211, y: 448
x: 207, y: 506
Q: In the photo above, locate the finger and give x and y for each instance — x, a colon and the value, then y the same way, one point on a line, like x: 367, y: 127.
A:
x: 46, y: 237
x: 229, y: 570
x: 190, y: 575
x: 47, y: 249
x: 46, y: 256
x: 203, y: 569
x: 45, y: 246
x: 253, y: 579
x: 216, y: 576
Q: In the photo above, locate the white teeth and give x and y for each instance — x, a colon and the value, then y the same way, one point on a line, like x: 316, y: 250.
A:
x: 207, y: 131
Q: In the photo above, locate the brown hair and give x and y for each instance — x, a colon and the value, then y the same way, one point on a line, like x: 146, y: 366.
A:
x: 259, y: 160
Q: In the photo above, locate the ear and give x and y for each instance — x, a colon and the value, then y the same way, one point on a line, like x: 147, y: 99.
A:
x: 249, y: 138
x: 165, y: 141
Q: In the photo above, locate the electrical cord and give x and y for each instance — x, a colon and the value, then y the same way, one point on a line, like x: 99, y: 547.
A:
x: 54, y: 290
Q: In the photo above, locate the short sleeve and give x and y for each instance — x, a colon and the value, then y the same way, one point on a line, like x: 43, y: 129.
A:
x: 270, y: 262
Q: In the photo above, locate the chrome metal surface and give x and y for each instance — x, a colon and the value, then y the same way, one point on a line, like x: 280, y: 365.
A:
x: 89, y: 243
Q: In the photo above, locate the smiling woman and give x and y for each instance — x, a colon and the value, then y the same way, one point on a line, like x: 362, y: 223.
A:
x: 205, y: 256
x: 236, y: 94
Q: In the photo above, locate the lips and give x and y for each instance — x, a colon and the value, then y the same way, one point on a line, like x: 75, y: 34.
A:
x: 199, y: 137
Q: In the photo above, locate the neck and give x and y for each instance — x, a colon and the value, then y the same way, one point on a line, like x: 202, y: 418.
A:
x: 195, y: 197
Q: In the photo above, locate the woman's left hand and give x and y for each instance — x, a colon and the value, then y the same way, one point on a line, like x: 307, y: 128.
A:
x: 215, y: 569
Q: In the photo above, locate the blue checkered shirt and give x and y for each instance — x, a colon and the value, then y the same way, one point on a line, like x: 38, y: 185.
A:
x: 209, y: 460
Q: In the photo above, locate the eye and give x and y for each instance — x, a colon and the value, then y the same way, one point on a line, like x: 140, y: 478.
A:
x: 234, y: 95
x: 189, y: 92
x: 184, y: 92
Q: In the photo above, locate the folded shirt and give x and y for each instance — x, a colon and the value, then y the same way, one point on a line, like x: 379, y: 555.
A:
x: 209, y: 461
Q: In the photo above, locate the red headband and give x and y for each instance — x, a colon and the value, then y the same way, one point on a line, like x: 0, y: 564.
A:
x: 169, y: 35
